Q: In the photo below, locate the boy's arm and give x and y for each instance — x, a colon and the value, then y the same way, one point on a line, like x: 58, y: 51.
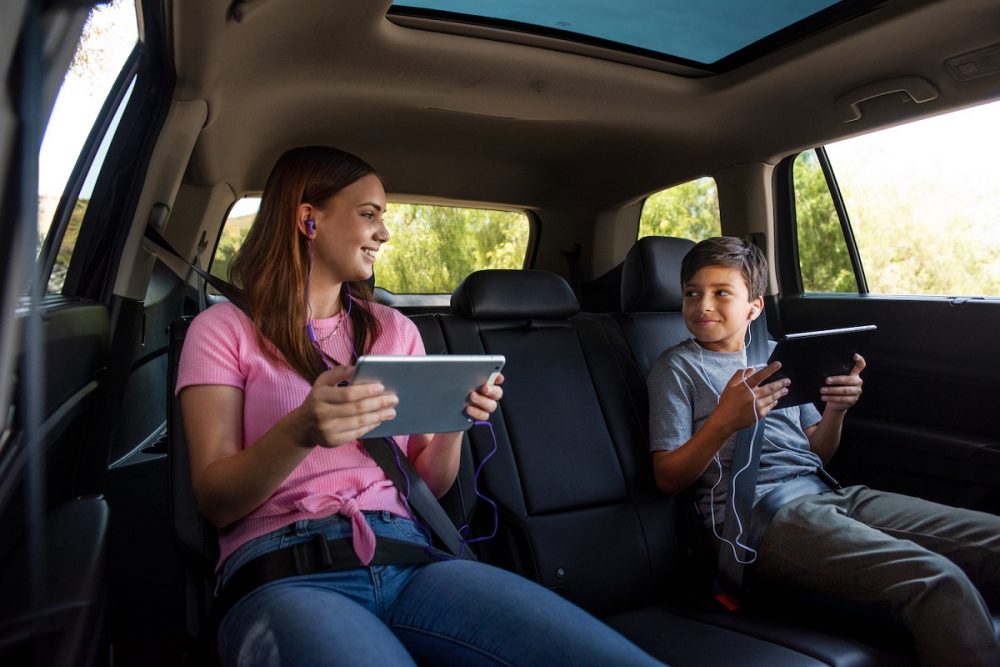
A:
x: 675, y: 470
x: 842, y: 392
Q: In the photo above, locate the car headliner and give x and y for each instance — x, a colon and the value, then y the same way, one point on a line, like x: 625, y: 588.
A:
x: 468, y: 118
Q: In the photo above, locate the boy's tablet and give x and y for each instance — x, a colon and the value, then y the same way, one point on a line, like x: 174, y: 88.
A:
x: 432, y: 390
x: 808, y: 358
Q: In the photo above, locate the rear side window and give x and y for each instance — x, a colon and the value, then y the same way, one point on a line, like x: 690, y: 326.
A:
x: 108, y: 39
x: 689, y: 210
x: 823, y: 257
x: 921, y: 201
x: 431, y: 248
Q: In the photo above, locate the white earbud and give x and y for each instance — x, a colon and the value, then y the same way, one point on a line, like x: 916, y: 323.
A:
x: 753, y: 312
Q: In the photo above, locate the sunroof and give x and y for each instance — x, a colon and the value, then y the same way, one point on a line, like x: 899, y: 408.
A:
x: 700, y: 32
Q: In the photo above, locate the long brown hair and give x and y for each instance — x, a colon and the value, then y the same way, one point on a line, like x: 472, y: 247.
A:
x: 271, y: 264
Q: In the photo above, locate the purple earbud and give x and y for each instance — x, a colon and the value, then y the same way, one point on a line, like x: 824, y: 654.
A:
x: 310, y: 228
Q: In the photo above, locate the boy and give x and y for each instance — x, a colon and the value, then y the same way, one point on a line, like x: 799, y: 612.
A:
x: 854, y: 543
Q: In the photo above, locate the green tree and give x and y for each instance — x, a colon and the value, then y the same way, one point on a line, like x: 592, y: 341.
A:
x: 58, y: 276
x: 689, y: 210
x: 432, y: 248
x: 912, y: 244
x: 823, y: 257
x: 233, y: 235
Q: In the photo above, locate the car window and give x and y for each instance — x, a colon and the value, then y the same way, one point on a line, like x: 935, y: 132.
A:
x: 431, y: 248
x: 921, y: 201
x: 108, y: 40
x: 689, y: 210
x: 702, y: 33
x: 823, y: 251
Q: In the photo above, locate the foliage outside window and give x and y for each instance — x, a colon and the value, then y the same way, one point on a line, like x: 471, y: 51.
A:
x: 823, y: 258
x: 923, y: 203
x: 431, y: 248
x: 689, y: 210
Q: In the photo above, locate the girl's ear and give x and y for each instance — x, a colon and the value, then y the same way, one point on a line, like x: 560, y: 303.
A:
x: 305, y: 221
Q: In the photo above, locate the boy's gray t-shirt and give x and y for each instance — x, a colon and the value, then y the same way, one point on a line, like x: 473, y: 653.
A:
x: 684, y: 387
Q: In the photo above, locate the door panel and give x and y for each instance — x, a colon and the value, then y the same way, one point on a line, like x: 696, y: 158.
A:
x: 924, y: 425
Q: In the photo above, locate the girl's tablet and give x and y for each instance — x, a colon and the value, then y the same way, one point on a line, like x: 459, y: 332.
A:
x: 432, y: 389
x: 808, y: 358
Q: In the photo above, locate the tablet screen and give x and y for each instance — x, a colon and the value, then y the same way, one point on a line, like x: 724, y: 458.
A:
x: 432, y: 389
x: 808, y: 358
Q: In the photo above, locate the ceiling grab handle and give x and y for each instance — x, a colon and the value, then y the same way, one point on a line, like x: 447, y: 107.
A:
x: 914, y: 89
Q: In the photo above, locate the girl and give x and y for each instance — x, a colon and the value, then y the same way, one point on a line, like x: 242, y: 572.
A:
x: 276, y: 461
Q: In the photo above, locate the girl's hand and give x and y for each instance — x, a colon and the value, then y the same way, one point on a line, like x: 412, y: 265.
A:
x: 843, y: 391
x: 336, y: 415
x: 483, y: 401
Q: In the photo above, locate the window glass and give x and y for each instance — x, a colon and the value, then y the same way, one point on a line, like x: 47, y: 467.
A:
x: 703, y: 32
x: 233, y: 234
x: 823, y: 257
x: 689, y: 211
x: 431, y: 248
x: 108, y: 38
x: 923, y: 201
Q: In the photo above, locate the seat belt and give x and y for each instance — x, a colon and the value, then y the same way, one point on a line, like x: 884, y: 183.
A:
x: 394, y: 462
x: 746, y: 458
x: 224, y: 288
x: 386, y: 453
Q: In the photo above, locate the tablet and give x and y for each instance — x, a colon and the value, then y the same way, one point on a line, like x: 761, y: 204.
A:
x: 808, y: 358
x: 432, y: 389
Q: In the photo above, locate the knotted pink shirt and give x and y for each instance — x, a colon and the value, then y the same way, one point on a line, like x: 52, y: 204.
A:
x: 221, y: 349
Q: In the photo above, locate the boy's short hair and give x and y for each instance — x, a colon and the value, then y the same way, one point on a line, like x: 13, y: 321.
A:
x: 732, y: 253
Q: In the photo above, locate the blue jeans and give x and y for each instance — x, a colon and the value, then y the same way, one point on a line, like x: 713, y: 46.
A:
x: 454, y: 612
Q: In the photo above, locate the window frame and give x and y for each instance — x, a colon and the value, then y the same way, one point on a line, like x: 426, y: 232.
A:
x: 127, y: 78
x: 845, y: 221
x: 788, y: 262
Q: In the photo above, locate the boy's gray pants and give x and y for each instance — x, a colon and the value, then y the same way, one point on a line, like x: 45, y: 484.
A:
x: 918, y: 557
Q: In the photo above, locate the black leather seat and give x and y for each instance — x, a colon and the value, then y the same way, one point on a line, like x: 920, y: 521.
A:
x: 194, y: 536
x: 578, y: 507
x: 572, y: 476
x: 651, y: 297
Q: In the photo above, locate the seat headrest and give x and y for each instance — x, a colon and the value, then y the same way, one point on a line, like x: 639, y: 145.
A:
x: 651, y: 275
x: 511, y: 294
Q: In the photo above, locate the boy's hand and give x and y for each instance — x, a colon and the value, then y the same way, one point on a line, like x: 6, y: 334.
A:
x: 843, y: 391
x: 742, y: 403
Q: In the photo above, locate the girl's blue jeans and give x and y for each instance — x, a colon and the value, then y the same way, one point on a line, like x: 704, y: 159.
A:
x: 453, y: 612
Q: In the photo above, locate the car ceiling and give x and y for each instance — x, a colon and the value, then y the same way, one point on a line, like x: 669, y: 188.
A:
x: 468, y: 118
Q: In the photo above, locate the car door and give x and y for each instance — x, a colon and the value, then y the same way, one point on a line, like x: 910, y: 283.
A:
x: 55, y: 341
x: 899, y: 228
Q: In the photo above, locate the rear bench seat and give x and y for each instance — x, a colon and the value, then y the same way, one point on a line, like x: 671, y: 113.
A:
x: 579, y: 510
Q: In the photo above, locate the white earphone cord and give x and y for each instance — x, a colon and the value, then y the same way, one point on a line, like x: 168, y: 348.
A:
x: 736, y: 543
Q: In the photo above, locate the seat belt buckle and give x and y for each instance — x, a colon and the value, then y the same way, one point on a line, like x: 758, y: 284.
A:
x: 728, y: 602
x: 312, y: 555
x: 828, y: 478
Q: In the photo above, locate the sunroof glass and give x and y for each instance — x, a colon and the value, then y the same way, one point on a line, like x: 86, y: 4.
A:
x: 702, y: 32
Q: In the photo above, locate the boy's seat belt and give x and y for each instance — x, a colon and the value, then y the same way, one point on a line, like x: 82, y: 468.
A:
x: 746, y: 458
x: 384, y: 451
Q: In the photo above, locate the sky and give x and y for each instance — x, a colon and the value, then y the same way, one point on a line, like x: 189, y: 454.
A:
x: 112, y: 34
